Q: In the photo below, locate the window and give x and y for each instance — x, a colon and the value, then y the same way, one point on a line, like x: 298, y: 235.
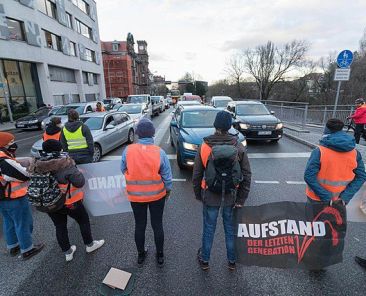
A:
x: 83, y: 29
x: 72, y: 49
x: 16, y: 29
x: 90, y: 98
x: 83, y: 6
x: 69, y: 20
x: 61, y: 74
x: 47, y: 7
x: 85, y: 77
x: 95, y: 78
x: 89, y: 55
x: 52, y: 41
x: 115, y: 47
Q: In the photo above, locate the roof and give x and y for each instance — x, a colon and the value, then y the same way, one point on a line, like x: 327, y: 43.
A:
x: 99, y: 114
x: 199, y: 108
x: 221, y: 98
x: 108, y: 46
x: 248, y: 102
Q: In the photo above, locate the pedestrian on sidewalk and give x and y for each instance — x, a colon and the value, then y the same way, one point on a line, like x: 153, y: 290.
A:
x: 77, y: 140
x: 14, y: 206
x: 232, y: 197
x: 53, y: 130
x: 359, y: 118
x: 70, y: 181
x: 148, y: 184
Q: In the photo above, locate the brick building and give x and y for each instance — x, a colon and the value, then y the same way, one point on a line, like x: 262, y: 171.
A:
x: 126, y: 71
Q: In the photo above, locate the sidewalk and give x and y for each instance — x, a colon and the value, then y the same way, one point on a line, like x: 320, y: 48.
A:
x: 6, y: 126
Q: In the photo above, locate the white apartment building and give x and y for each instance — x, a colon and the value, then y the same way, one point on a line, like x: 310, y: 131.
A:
x: 50, y: 53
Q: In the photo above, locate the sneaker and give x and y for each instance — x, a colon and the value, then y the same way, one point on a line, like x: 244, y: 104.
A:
x: 36, y: 249
x: 160, y: 259
x: 231, y: 266
x: 70, y: 253
x: 360, y: 261
x: 95, y: 246
x: 203, y: 264
x: 141, y: 258
x: 14, y: 251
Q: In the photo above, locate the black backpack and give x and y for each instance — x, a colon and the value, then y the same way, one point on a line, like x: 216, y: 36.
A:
x: 45, y: 194
x: 223, y: 172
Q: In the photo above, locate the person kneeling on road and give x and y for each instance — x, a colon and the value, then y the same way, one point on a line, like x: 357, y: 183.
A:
x: 148, y: 184
x: 14, y: 206
x: 70, y: 181
x: 221, y: 152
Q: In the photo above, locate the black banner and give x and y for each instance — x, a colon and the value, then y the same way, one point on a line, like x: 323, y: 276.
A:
x: 291, y: 235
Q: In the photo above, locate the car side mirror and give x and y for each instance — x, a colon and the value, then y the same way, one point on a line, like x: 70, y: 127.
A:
x: 109, y: 127
x: 174, y: 123
x: 272, y: 112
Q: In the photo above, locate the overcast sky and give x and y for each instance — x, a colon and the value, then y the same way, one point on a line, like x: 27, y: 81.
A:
x: 199, y: 35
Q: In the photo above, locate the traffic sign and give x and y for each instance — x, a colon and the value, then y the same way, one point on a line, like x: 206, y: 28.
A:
x: 342, y: 74
x: 345, y: 59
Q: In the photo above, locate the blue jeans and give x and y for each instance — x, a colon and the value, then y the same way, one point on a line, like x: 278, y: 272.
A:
x: 17, y: 223
x: 209, y: 226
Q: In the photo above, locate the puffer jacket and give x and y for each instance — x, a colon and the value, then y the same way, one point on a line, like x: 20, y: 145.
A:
x: 214, y: 199
x: 360, y: 115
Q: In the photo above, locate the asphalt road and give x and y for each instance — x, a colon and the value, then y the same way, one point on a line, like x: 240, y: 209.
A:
x: 277, y: 175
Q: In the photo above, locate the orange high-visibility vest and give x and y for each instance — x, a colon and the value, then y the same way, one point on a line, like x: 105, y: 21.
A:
x: 336, y: 171
x: 15, y: 188
x: 76, y: 194
x: 205, y: 154
x: 51, y: 137
x: 143, y: 182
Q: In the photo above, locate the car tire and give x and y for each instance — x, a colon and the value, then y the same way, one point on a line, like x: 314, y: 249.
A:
x: 179, y: 161
x: 275, y: 141
x: 97, y: 153
x: 131, y: 136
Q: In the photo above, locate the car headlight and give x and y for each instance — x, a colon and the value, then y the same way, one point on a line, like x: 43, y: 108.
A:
x: 244, y: 126
x: 244, y: 143
x: 190, y: 146
x: 279, y: 126
x: 33, y: 121
x: 43, y: 124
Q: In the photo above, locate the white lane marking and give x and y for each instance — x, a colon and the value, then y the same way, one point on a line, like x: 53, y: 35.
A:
x: 25, y: 139
x: 266, y: 182
x: 296, y: 182
x: 161, y: 130
x: 168, y: 141
x: 356, y: 238
x: 179, y: 180
x: 280, y: 155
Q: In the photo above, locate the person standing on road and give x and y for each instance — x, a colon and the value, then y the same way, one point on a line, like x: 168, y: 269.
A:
x: 212, y: 201
x: 148, y: 183
x: 359, y: 118
x: 77, y: 140
x: 70, y: 181
x: 14, y: 206
x: 53, y: 130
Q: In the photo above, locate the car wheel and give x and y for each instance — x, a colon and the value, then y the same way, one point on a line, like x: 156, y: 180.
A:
x: 131, y: 136
x: 179, y: 161
x: 275, y: 141
x: 97, y: 153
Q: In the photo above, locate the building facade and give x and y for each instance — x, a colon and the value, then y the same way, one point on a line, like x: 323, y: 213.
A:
x: 126, y: 71
x: 50, y: 53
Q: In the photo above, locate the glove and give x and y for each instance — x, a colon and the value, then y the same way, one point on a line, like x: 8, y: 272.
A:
x: 238, y: 205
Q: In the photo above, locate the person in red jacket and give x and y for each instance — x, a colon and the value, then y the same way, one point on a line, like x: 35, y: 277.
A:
x: 359, y: 118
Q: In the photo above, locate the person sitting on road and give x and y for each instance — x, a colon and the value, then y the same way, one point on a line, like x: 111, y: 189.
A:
x: 359, y: 117
x: 100, y: 108
x: 70, y: 181
x: 14, y: 206
x: 148, y: 184
x: 212, y: 201
x: 77, y: 140
x: 53, y: 130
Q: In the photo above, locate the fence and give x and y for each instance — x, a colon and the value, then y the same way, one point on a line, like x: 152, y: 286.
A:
x: 303, y: 113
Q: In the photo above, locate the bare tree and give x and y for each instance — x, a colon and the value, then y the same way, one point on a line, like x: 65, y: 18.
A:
x: 235, y: 69
x: 269, y: 64
x: 363, y: 43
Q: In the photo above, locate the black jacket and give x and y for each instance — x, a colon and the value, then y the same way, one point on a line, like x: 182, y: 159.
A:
x: 52, y: 129
x: 72, y: 127
x: 214, y: 199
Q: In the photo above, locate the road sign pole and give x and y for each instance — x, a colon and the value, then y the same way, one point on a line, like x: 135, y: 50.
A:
x: 337, y: 98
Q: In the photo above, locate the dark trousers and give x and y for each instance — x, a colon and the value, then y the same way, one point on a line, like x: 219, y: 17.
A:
x: 156, y: 214
x: 80, y: 215
x: 81, y: 158
x: 359, y: 131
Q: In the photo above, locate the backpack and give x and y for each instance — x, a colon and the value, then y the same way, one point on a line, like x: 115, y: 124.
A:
x: 223, y: 172
x: 45, y: 194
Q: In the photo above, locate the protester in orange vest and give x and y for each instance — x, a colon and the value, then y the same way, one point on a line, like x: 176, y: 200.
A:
x: 148, y: 183
x: 70, y: 181
x: 335, y: 170
x: 359, y: 118
x: 14, y: 206
x: 53, y: 130
x: 212, y: 201
x: 100, y: 108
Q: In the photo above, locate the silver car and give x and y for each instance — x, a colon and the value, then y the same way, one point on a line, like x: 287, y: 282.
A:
x: 109, y: 130
x: 136, y: 111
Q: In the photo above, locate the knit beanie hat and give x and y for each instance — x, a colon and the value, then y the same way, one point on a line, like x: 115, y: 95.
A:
x: 223, y: 121
x: 145, y: 128
x: 51, y: 146
x: 334, y: 125
x: 5, y: 139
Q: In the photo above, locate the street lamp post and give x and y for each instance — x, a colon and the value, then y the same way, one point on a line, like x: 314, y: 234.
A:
x: 109, y: 80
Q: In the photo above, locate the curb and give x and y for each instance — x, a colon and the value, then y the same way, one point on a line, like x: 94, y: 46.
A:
x: 299, y: 140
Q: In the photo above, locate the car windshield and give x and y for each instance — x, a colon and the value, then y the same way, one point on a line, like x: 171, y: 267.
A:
x: 199, y: 118
x: 94, y: 123
x: 137, y: 99
x: 43, y: 111
x: 251, y: 109
x: 63, y: 110
x: 117, y: 106
x: 221, y: 103
x: 131, y: 109
x: 107, y: 102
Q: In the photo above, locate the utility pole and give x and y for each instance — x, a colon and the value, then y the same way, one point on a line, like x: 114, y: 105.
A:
x: 337, y: 98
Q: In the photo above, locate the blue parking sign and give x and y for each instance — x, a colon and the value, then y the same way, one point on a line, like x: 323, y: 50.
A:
x: 345, y: 59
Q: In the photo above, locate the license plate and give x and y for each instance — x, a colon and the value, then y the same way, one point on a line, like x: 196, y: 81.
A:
x: 264, y: 133
x: 20, y: 125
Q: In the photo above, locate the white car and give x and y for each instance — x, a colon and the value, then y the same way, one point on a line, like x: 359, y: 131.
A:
x: 135, y: 111
x: 220, y: 102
